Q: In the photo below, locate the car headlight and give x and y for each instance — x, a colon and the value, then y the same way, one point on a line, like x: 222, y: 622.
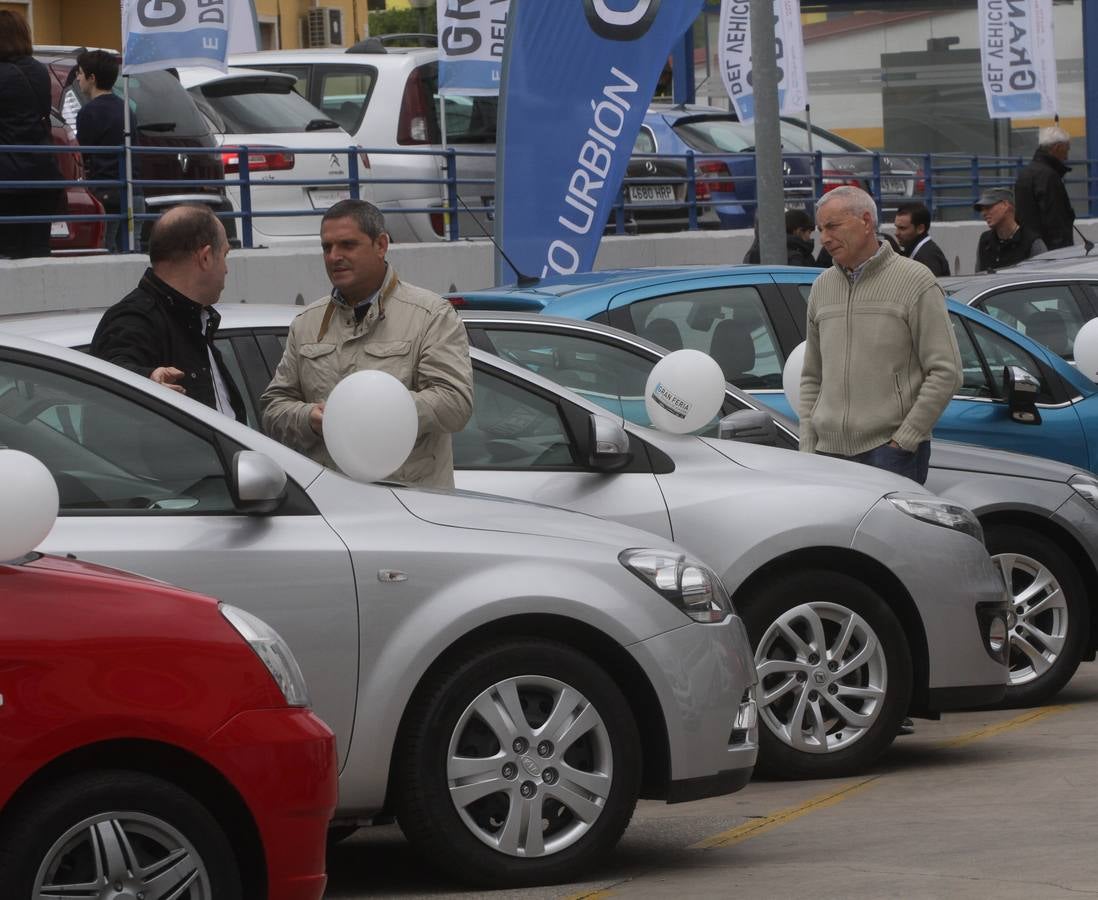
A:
x: 1085, y: 486
x: 939, y: 512
x: 691, y: 586
x: 272, y: 651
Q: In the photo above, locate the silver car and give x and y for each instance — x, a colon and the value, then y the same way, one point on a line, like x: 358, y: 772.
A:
x: 867, y: 598
x: 506, y: 679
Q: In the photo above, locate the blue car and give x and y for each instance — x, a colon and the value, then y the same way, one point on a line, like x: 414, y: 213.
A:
x: 725, y: 165
x: 749, y: 318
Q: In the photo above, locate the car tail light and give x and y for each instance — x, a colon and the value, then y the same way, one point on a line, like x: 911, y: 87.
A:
x: 438, y: 223
x: 833, y: 178
x: 458, y: 301
x: 920, y: 182
x: 258, y: 160
x: 713, y: 177
x: 412, y: 128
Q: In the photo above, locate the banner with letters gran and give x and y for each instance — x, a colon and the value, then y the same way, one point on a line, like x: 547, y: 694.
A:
x: 160, y: 34
x: 471, y: 35
x: 577, y: 79
x: 734, y: 57
x: 1018, y: 58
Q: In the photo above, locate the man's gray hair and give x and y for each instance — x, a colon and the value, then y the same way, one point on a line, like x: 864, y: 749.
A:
x: 1051, y: 135
x: 368, y: 217
x: 853, y: 199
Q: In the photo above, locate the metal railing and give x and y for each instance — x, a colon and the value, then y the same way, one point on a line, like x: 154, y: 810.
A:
x: 949, y: 184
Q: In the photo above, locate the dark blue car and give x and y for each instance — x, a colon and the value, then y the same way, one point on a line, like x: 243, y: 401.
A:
x: 725, y: 160
x: 749, y: 318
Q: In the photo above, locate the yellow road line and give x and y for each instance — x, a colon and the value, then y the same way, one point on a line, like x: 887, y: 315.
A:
x: 1026, y: 718
x: 758, y: 826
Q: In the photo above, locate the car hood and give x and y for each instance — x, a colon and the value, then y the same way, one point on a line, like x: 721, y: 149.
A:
x: 969, y: 458
x: 812, y: 469
x: 487, y: 512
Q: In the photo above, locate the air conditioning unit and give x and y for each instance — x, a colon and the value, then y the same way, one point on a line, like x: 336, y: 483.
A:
x: 324, y: 27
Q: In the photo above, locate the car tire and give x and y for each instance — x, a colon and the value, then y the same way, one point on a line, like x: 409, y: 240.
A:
x: 825, y: 710
x: 1047, y: 632
x: 136, y: 823
x: 470, y: 775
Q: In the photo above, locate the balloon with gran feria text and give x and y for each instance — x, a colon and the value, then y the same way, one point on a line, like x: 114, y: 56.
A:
x: 684, y: 391
x: 28, y: 503
x: 1086, y: 349
x: 370, y: 425
x: 791, y: 378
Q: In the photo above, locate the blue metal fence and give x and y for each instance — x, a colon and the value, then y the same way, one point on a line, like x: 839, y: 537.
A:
x: 949, y: 184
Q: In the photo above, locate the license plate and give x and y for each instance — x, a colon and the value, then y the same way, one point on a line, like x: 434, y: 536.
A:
x: 651, y: 193
x: 322, y: 199
x: 59, y: 229
x: 894, y: 186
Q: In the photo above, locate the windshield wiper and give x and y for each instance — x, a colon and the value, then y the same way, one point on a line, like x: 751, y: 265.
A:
x: 319, y: 124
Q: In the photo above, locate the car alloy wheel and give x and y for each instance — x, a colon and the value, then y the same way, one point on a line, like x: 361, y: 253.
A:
x: 823, y: 677
x: 835, y: 672
x: 530, y: 766
x: 1038, y: 618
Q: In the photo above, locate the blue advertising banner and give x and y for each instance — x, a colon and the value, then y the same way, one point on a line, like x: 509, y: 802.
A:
x: 577, y: 78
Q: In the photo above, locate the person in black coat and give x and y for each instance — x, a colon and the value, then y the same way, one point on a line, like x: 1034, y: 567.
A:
x: 1006, y: 241
x: 799, y: 244
x: 912, y: 224
x: 164, y: 329
x: 24, y: 119
x: 1041, y: 200
x: 100, y: 123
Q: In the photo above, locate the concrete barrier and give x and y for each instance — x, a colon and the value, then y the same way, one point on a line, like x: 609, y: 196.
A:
x: 298, y: 276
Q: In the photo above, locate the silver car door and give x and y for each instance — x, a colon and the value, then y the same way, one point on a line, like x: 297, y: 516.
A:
x: 144, y: 486
x: 521, y: 443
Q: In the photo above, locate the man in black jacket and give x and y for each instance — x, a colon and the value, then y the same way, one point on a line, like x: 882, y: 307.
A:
x: 1042, y: 201
x: 1006, y: 241
x: 912, y: 225
x: 99, y: 124
x: 164, y: 329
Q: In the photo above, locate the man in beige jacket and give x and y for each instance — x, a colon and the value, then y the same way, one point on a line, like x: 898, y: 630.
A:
x: 372, y: 320
x: 881, y: 361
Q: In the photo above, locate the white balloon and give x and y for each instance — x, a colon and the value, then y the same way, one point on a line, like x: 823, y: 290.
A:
x: 791, y: 377
x: 28, y: 503
x: 370, y: 424
x: 684, y: 391
x: 1086, y: 349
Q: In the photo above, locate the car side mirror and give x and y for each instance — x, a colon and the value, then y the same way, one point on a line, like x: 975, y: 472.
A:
x: 608, y: 444
x: 1021, y: 394
x: 257, y: 483
x: 752, y: 426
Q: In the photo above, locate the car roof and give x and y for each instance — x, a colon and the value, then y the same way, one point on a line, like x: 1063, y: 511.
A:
x: 395, y: 55
x: 967, y: 288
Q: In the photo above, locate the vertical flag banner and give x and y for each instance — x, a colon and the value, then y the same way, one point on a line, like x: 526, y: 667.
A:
x: 734, y: 56
x: 471, y: 36
x: 1018, y: 58
x: 159, y: 34
x: 577, y: 78
x: 243, y: 27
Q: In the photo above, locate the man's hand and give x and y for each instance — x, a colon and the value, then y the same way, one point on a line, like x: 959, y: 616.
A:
x: 316, y: 417
x: 894, y: 444
x: 168, y: 376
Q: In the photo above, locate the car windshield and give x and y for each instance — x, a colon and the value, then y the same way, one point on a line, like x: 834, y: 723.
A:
x: 795, y: 137
x: 158, y: 102
x: 239, y: 108
x: 715, y: 135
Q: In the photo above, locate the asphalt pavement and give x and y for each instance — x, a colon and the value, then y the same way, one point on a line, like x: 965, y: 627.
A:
x: 999, y: 804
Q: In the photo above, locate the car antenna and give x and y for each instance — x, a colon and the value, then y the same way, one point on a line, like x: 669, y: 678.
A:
x: 523, y: 280
x: 1088, y: 244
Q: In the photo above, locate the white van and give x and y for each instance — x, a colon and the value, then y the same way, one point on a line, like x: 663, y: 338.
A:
x: 385, y: 97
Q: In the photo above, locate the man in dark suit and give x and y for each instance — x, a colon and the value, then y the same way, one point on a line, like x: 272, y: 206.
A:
x: 912, y: 225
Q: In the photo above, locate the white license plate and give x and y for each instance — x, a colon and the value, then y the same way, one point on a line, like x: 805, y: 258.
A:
x: 322, y: 198
x: 894, y: 186
x: 59, y: 229
x: 651, y: 193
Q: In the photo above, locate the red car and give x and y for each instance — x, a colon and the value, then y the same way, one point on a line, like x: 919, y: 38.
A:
x: 82, y: 237
x: 146, y: 750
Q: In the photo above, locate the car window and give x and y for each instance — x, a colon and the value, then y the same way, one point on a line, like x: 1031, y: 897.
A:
x: 1047, y: 313
x: 730, y: 324
x: 645, y: 142
x: 975, y: 381
x: 602, y: 373
x: 469, y: 120
x: 243, y: 111
x: 998, y: 351
x: 511, y: 428
x: 231, y: 359
x: 105, y: 451
x: 715, y: 135
x: 301, y: 73
x: 345, y: 94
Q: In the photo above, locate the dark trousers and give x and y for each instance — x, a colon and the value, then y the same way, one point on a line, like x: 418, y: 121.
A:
x: 21, y: 240
x: 895, y: 459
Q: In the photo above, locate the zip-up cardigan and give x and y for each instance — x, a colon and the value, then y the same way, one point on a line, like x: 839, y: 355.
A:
x: 881, y: 360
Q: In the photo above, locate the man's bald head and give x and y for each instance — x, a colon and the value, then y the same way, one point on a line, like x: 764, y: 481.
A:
x: 183, y: 231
